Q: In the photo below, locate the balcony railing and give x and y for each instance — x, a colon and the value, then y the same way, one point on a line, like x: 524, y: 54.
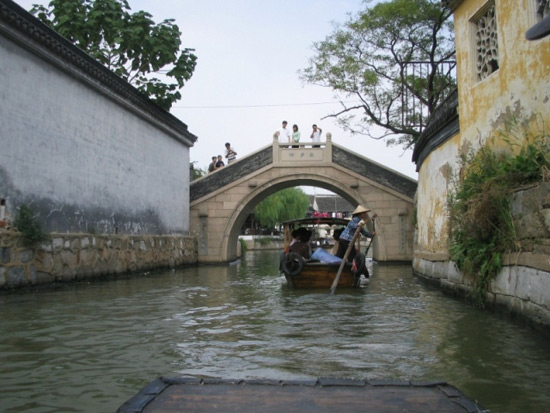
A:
x: 416, y: 110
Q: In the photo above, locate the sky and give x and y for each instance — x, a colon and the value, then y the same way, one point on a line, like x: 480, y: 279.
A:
x: 247, y: 76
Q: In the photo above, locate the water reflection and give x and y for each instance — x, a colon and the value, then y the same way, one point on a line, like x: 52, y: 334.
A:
x: 89, y: 347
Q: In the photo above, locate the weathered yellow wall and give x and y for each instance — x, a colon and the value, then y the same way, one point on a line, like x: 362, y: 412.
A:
x: 519, y: 89
x: 434, y: 182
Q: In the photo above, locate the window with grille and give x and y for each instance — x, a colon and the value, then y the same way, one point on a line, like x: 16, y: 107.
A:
x: 486, y: 41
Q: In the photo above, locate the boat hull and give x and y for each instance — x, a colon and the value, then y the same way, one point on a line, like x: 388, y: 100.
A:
x: 321, y: 275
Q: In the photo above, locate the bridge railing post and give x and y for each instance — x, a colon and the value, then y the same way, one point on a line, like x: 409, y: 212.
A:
x: 328, y: 146
x: 276, y: 149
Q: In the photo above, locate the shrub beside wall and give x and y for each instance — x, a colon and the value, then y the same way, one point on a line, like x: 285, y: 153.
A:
x: 68, y: 257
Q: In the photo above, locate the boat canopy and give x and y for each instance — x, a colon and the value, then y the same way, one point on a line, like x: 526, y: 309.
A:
x: 316, y: 221
x: 310, y: 222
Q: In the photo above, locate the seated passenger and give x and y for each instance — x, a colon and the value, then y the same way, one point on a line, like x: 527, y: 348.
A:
x: 336, y: 237
x: 300, y: 243
x: 301, y: 248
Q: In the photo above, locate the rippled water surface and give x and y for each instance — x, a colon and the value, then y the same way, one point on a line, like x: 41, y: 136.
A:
x: 91, y: 346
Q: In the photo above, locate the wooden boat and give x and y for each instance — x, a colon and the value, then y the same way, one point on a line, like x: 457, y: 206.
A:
x: 194, y: 394
x: 302, y: 272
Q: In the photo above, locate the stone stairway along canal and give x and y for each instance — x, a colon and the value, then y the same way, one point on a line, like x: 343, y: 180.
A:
x: 89, y: 347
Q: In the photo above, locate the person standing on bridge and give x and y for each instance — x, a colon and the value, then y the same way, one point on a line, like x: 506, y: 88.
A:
x: 284, y: 133
x: 230, y: 153
x: 219, y: 163
x: 212, y: 166
x: 316, y: 136
x: 295, y: 136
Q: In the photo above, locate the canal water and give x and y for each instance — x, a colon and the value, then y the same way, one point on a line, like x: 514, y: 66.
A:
x: 89, y: 347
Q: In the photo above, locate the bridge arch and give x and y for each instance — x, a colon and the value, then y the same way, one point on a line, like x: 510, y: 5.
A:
x: 249, y: 202
x: 221, y: 202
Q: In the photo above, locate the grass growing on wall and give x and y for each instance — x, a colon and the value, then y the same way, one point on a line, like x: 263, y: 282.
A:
x: 482, y: 228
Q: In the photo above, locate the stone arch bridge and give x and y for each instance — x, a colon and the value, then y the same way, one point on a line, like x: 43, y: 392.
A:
x: 221, y: 201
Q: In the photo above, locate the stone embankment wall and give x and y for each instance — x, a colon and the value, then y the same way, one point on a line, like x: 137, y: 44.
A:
x: 262, y: 242
x: 69, y: 257
x: 522, y: 287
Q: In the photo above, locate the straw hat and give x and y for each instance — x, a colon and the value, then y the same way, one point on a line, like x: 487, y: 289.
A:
x: 360, y: 209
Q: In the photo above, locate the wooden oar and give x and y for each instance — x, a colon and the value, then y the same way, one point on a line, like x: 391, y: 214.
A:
x: 373, y: 234
x: 350, y: 246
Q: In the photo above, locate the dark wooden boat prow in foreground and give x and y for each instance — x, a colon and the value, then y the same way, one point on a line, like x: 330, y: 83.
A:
x: 191, y: 394
x: 303, y: 273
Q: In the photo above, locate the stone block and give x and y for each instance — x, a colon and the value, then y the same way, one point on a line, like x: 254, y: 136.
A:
x: 65, y: 275
x: 97, y: 269
x: 84, y: 242
x: 383, y: 205
x: 57, y: 267
x: 234, y: 197
x: 545, y: 213
x: 47, y: 246
x: 17, y: 276
x: 133, y: 266
x: 376, y: 197
x: 74, y: 244
x: 120, y: 243
x: 452, y: 272
x: 504, y: 282
x: 72, y: 260
x: 531, y: 212
x: 5, y: 254
x: 530, y: 225
x: 25, y: 255
x: 119, y: 267
x: 57, y: 243
x: 524, y: 285
x: 32, y: 274
x: 88, y: 257
x: 540, y: 285
x: 44, y: 277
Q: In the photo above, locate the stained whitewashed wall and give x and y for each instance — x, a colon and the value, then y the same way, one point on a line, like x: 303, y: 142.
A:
x: 83, y: 148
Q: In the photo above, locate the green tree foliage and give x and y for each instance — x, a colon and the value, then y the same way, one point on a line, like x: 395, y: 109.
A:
x: 196, y: 172
x: 290, y: 203
x: 129, y: 44
x: 371, y: 59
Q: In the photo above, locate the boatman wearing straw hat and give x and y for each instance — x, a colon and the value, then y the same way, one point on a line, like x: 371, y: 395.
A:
x: 359, y: 218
